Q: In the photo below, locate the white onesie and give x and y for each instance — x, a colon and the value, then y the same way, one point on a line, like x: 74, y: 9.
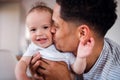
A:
x: 50, y: 53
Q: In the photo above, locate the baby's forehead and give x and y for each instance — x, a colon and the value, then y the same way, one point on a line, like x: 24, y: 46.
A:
x: 41, y: 7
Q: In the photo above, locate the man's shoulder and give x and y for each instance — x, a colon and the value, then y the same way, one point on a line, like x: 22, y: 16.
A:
x: 112, y: 46
x: 113, y: 52
x: 111, y: 43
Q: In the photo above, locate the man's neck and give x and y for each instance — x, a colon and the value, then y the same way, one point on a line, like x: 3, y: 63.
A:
x: 95, y: 54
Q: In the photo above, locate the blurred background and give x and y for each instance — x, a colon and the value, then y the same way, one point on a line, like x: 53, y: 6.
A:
x: 13, y: 34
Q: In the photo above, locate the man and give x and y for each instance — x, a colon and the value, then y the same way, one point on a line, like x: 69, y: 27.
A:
x: 76, y: 21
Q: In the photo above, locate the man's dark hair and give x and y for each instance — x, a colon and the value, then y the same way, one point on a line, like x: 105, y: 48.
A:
x: 99, y: 14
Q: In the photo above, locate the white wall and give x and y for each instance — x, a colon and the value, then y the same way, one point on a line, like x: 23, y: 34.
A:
x: 9, y: 26
x: 114, y: 32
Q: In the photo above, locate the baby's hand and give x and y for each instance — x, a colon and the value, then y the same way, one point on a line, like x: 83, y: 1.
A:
x: 85, y: 49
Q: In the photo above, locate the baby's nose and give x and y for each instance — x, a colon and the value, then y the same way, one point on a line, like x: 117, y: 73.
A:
x: 39, y: 32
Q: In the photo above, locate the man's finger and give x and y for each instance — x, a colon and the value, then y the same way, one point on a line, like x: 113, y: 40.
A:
x: 35, y: 65
x: 35, y: 58
x: 46, y: 64
x: 38, y: 77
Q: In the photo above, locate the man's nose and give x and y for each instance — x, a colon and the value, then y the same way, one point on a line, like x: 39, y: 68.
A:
x: 53, y: 30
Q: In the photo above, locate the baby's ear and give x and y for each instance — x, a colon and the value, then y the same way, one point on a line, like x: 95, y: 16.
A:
x: 84, y: 33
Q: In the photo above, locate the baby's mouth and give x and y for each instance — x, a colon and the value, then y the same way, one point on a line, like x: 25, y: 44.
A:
x: 42, y: 40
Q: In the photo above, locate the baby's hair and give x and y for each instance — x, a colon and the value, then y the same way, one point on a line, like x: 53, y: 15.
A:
x: 40, y: 6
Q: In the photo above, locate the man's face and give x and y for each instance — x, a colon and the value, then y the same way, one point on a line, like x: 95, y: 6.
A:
x: 65, y: 34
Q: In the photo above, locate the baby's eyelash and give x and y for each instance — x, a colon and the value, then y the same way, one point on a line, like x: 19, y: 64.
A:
x: 32, y: 29
x: 45, y: 27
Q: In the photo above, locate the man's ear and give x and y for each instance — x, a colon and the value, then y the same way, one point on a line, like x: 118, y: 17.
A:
x: 84, y: 33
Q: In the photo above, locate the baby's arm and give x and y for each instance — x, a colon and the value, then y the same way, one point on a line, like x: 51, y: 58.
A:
x: 84, y: 49
x: 79, y: 65
x: 21, y: 68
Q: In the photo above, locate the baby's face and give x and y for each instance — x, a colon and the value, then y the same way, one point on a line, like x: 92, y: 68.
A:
x: 39, y: 25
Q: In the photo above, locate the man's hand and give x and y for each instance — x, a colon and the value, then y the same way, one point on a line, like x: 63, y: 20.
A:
x: 42, y: 69
x: 54, y: 70
x: 34, y: 64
